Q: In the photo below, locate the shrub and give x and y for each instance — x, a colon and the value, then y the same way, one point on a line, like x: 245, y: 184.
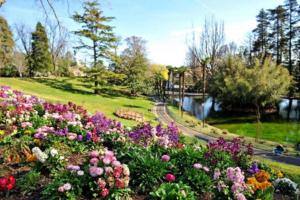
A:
x: 173, y: 191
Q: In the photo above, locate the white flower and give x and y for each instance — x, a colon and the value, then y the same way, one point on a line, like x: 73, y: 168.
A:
x: 41, y: 156
x: 286, y: 180
x: 80, y: 173
x: 53, y: 152
x: 67, y: 186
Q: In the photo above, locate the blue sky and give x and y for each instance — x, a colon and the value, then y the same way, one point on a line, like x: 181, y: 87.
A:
x: 164, y: 24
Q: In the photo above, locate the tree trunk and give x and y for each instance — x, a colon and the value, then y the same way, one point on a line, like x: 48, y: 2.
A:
x: 182, y: 93
x: 289, y: 108
x: 258, y: 122
x: 173, y: 87
x: 203, y: 94
x: 179, y: 96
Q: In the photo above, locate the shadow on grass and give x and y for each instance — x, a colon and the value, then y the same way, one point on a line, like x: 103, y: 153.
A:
x: 63, y: 84
x: 132, y: 106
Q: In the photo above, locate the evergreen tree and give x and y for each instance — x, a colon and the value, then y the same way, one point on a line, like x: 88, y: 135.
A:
x: 134, y: 63
x: 278, y: 17
x: 100, y: 38
x: 293, y: 18
x: 261, y: 43
x: 6, y: 43
x: 40, y: 57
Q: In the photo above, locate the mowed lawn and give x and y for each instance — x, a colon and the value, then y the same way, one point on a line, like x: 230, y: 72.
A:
x: 80, y: 92
x: 288, y: 132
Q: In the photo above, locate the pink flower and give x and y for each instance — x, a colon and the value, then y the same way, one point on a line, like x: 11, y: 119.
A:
x: 61, y: 189
x: 72, y: 136
x: 95, y: 171
x: 101, y: 183
x: 217, y: 174
x: 240, y: 196
x: 206, y: 169
x: 94, y: 154
x: 109, y: 153
x: 107, y: 160
x: 108, y: 170
x: 165, y: 158
x: 197, y: 166
x: 104, y: 192
x: 94, y: 161
x: 170, y: 177
x: 67, y: 186
x: 116, y: 163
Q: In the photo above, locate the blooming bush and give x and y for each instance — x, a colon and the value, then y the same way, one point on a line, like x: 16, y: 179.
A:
x: 67, y: 153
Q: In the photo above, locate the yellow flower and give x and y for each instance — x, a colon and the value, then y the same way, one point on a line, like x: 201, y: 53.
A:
x: 2, y: 132
x: 279, y: 174
x: 27, y: 132
x: 37, y: 142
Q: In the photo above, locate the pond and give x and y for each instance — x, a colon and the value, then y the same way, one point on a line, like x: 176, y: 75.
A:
x: 193, y: 106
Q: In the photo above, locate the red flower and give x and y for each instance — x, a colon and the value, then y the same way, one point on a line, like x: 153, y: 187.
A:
x: 3, y: 183
x: 11, y: 180
x: 10, y: 186
x: 104, y: 192
x: 120, y: 184
x: 170, y: 177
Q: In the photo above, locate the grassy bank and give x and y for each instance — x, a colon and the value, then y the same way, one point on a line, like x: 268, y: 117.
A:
x: 64, y: 90
x: 270, y: 129
x: 194, y: 123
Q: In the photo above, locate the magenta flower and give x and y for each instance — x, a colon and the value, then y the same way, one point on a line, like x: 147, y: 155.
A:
x: 165, y: 158
x: 170, y: 177
x: 94, y: 154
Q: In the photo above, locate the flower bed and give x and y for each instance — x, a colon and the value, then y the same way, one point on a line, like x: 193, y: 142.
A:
x: 60, y: 151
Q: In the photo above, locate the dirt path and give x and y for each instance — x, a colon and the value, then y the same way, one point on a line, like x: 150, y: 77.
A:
x: 164, y: 117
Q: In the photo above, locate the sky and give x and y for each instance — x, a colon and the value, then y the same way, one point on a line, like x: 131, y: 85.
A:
x: 166, y: 25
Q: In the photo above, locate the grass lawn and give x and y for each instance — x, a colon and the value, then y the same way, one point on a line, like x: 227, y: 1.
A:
x: 267, y: 142
x: 273, y: 130
x: 64, y: 90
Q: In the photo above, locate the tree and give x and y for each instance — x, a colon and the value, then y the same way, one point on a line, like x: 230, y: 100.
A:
x: 40, y: 57
x: 58, y: 36
x: 291, y: 30
x: 6, y: 43
x: 257, y: 86
x: 212, y: 38
x: 278, y: 17
x: 134, y: 63
x: 2, y: 2
x: 261, y: 43
x: 99, y: 36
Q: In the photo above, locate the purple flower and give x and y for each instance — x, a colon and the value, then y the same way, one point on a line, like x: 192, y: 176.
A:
x: 254, y: 168
x: 79, y: 137
x: 88, y: 136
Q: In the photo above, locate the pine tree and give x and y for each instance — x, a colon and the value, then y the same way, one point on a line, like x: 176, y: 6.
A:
x: 291, y: 30
x: 100, y: 38
x: 261, y: 43
x: 278, y: 18
x: 6, y: 43
x: 40, y: 57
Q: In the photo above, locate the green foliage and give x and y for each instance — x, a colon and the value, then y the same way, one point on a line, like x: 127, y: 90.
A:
x: 260, y: 84
x: 173, y: 191
x: 29, y: 182
x: 6, y: 43
x: 145, y: 165
x: 40, y: 57
x: 198, y: 180
x: 95, y: 30
x: 134, y: 63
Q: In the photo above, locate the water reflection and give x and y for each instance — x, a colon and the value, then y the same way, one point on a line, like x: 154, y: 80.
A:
x: 193, y: 106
